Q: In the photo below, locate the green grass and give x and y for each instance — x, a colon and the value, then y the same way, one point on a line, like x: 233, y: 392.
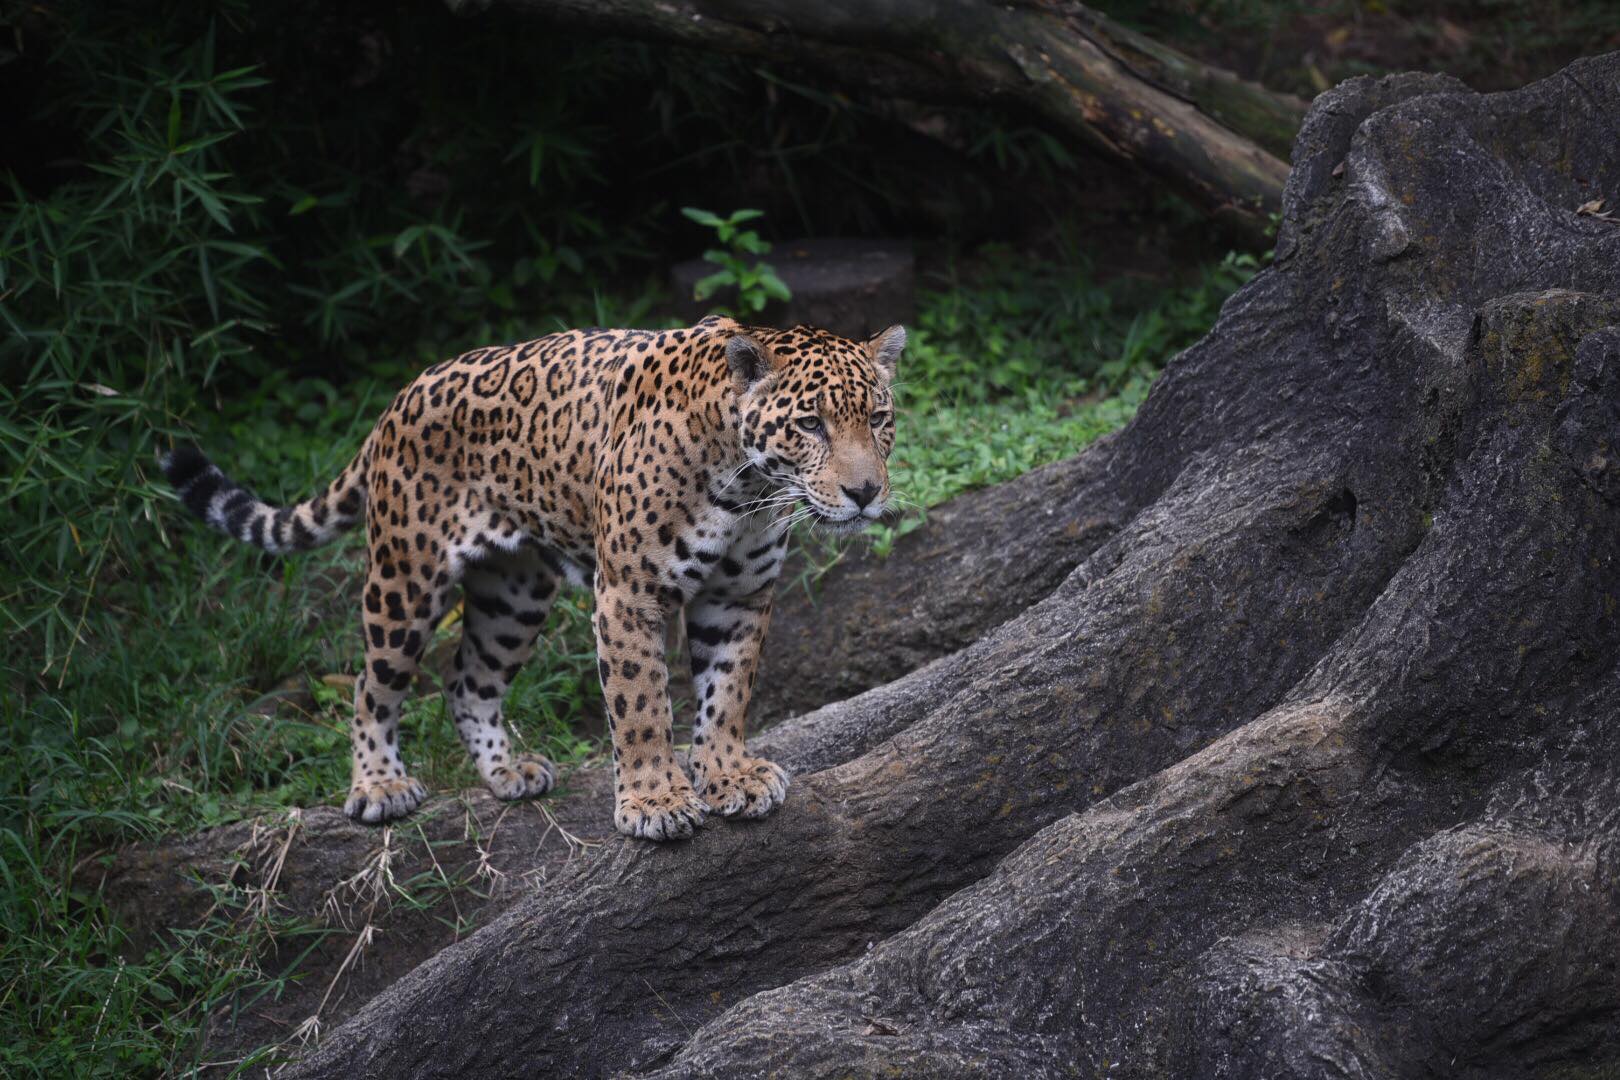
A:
x: 201, y: 691
x: 950, y: 448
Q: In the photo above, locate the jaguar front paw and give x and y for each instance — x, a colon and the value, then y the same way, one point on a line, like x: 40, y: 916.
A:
x: 671, y: 815
x: 384, y: 800
x: 742, y: 787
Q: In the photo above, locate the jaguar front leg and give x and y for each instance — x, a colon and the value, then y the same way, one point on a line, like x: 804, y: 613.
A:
x: 725, y: 633
x: 653, y: 799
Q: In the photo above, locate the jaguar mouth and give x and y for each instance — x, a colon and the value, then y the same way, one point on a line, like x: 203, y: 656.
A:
x: 839, y: 526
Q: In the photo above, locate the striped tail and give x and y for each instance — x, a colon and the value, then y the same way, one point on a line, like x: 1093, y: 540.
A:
x: 236, y: 511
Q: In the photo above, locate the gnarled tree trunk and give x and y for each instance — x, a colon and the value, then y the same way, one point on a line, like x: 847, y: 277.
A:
x: 1309, y: 766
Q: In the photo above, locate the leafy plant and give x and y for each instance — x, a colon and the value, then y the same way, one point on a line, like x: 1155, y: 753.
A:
x: 754, y: 282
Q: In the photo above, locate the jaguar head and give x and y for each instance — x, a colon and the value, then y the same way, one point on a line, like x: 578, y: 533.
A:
x: 816, y: 416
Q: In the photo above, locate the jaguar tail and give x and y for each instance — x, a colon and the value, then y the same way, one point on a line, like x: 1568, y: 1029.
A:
x: 236, y: 511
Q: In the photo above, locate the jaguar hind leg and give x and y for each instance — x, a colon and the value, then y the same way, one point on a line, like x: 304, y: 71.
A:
x: 398, y: 619
x: 507, y: 597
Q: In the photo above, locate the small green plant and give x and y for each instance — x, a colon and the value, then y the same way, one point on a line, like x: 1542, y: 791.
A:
x: 755, y: 281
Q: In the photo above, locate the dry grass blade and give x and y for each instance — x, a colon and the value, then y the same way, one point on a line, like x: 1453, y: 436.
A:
x: 1594, y: 208
x: 368, y: 885
x: 311, y: 1026
x: 577, y: 845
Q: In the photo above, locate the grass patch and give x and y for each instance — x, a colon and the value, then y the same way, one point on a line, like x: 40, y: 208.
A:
x: 206, y: 684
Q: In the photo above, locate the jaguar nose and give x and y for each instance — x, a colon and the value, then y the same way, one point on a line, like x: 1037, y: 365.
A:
x: 868, y: 491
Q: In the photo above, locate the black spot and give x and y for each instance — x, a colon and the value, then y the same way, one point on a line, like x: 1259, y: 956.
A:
x: 490, y: 605
x: 708, y: 635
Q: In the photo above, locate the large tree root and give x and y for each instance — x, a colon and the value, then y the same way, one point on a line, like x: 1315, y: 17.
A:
x: 1368, y: 596
x: 1255, y: 909
x: 1307, y: 767
x: 413, y: 889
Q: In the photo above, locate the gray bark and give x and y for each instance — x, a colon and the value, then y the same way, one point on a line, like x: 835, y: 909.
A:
x: 974, y: 563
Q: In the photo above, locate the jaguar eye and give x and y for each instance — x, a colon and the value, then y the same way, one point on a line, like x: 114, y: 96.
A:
x: 811, y: 424
x: 881, y: 418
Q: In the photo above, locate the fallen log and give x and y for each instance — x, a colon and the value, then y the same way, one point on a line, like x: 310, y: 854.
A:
x: 1200, y: 130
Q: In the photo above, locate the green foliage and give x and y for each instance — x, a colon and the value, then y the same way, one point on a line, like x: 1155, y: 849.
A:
x: 1024, y: 362
x: 755, y: 282
x: 1014, y: 322
x: 147, y: 300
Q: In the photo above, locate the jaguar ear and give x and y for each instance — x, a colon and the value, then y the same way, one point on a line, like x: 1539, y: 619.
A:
x: 748, y: 360
x: 886, y: 348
